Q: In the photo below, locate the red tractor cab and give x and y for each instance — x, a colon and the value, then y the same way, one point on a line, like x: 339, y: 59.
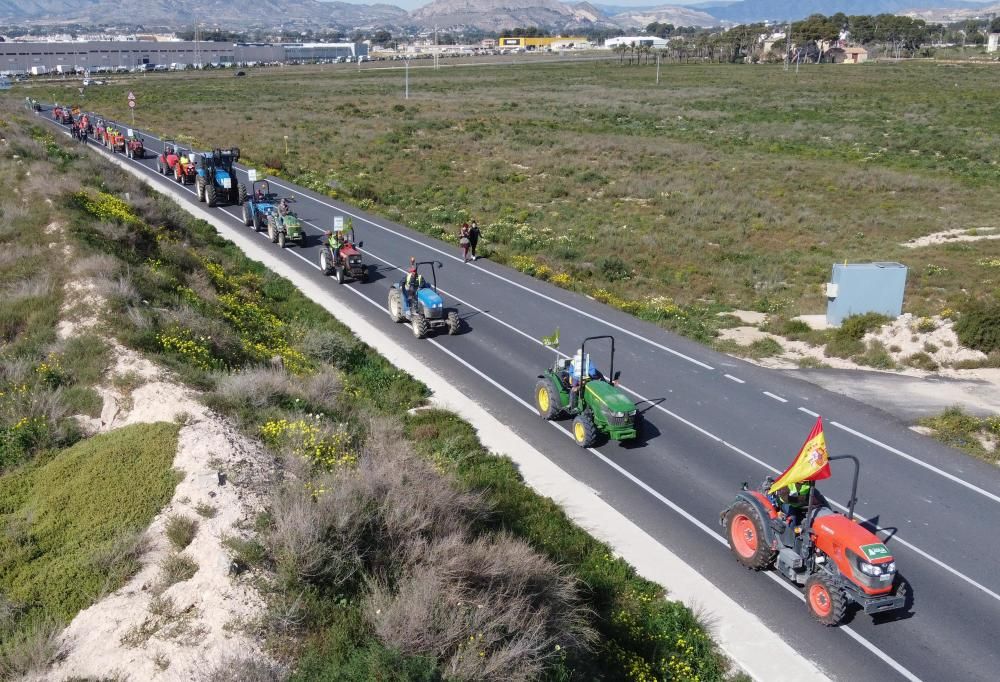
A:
x: 839, y: 562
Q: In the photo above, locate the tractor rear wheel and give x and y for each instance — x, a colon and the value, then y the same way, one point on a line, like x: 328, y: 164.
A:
x: 199, y: 189
x: 419, y: 325
x: 178, y: 175
x: 364, y: 274
x: 584, y: 431
x: 825, y: 600
x: 210, y: 195
x: 241, y: 193
x: 247, y: 218
x: 271, y: 232
x: 341, y: 274
x: 324, y: 262
x: 745, y: 532
x: 257, y: 222
x: 454, y: 323
x: 547, y: 400
x: 396, y: 305
x: 281, y: 240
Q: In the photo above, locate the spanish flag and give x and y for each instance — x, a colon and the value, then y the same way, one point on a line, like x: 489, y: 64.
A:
x: 811, y: 464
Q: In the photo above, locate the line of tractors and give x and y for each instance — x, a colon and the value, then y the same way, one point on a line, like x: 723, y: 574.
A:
x: 841, y: 565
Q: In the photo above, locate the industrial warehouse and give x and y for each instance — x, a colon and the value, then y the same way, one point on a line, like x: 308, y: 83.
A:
x: 118, y: 55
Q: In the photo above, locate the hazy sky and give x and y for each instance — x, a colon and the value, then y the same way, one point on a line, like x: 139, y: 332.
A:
x: 413, y: 4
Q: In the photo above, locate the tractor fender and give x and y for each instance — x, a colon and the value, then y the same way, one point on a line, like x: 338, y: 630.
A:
x: 760, y: 504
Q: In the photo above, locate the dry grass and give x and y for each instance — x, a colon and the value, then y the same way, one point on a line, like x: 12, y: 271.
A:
x: 176, y: 568
x: 181, y: 531
x: 247, y: 669
x: 727, y: 184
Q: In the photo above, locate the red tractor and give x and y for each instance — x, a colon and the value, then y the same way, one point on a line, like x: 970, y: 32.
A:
x: 838, y: 561
x: 340, y: 256
x: 62, y: 115
x: 167, y: 159
x: 185, y: 170
x: 135, y: 148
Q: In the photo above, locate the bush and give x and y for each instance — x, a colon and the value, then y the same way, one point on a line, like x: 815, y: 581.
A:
x: 923, y: 361
x: 181, y: 531
x: 856, y: 326
x: 978, y: 327
x: 876, y: 356
x: 843, y: 347
x: 176, y: 568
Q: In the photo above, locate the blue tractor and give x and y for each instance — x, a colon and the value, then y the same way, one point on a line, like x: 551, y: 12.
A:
x: 258, y: 205
x: 216, y: 181
x: 420, y: 304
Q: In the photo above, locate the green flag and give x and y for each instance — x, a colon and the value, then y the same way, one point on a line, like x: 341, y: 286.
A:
x: 551, y: 341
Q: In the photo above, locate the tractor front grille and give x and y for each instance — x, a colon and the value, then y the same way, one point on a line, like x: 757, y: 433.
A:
x: 621, y: 421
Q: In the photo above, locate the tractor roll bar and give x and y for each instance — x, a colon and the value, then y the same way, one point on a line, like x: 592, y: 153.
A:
x: 583, y: 354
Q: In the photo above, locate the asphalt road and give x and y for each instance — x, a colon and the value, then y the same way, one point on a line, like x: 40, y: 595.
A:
x: 710, y: 423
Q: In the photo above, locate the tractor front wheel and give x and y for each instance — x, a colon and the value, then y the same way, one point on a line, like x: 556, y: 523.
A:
x: 281, y: 240
x: 584, y: 431
x: 826, y: 601
x: 257, y: 222
x: 547, y: 400
x: 454, y: 323
x: 419, y: 325
x: 341, y: 274
x: 745, y: 532
x: 178, y: 175
x: 272, y: 233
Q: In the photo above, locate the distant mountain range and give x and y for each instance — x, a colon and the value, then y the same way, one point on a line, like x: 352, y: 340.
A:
x: 487, y: 15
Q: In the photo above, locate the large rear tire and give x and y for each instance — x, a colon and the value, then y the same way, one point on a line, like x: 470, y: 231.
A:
x: 324, y: 264
x: 547, y: 400
x: 247, y: 217
x: 178, y: 175
x: 210, y: 195
x: 419, y: 325
x: 745, y: 532
x: 241, y: 193
x: 396, y: 305
x: 826, y: 602
x: 584, y: 431
x: 281, y: 240
x: 199, y: 189
x: 272, y: 233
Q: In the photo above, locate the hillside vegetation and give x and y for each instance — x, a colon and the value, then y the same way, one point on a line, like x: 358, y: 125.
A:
x: 396, y: 546
x: 726, y: 186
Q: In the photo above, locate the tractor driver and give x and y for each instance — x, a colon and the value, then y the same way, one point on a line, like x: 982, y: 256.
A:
x: 793, y: 500
x: 576, y: 372
x: 414, y: 280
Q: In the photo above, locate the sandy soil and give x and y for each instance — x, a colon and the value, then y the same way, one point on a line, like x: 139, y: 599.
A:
x: 908, y: 392
x: 968, y: 234
x: 197, y: 623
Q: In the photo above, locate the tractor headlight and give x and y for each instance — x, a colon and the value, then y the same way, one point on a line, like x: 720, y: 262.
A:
x: 890, y: 567
x: 870, y: 569
x: 619, y: 414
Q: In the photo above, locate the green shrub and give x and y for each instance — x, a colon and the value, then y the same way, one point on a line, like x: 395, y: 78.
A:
x: 923, y: 361
x: 65, y: 516
x: 856, y: 326
x: 876, y: 356
x: 843, y: 347
x: 181, y: 531
x: 979, y: 326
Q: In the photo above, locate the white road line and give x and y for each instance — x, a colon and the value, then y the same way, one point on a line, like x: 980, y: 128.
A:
x: 930, y: 467
x: 809, y: 412
x: 732, y: 378
x: 502, y: 278
x: 674, y: 415
x: 776, y: 397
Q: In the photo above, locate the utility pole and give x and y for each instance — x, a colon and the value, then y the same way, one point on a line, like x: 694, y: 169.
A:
x: 407, y: 78
x: 657, y: 68
x: 788, y: 45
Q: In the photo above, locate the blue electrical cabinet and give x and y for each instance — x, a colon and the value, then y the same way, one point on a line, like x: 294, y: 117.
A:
x: 859, y: 288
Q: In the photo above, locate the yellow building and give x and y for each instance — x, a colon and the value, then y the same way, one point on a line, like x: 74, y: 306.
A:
x: 539, y: 43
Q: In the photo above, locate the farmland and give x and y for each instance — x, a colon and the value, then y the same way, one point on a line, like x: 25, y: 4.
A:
x: 723, y: 187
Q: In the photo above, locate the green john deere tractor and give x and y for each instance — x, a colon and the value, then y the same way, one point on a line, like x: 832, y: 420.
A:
x: 575, y: 388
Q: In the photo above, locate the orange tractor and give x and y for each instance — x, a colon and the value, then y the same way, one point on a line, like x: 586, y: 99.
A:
x: 185, y: 170
x: 840, y: 563
x: 113, y: 139
x: 62, y: 115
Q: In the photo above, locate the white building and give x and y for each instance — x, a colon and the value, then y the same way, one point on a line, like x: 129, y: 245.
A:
x: 638, y: 41
x: 993, y: 42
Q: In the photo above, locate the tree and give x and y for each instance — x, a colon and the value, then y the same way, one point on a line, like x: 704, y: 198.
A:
x: 382, y: 38
x: 995, y: 25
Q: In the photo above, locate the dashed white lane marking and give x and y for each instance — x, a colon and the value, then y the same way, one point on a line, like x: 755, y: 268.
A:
x: 732, y: 378
x: 776, y: 397
x: 809, y: 412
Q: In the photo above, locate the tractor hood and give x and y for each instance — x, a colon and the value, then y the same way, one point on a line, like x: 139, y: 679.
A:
x: 836, y: 533
x: 292, y: 224
x: 610, y: 397
x: 222, y: 178
x: 430, y: 299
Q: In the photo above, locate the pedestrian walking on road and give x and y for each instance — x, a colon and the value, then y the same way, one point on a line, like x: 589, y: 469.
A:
x: 473, y: 239
x: 464, y: 241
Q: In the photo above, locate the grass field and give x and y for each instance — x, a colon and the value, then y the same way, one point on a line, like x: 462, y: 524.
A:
x: 726, y: 186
